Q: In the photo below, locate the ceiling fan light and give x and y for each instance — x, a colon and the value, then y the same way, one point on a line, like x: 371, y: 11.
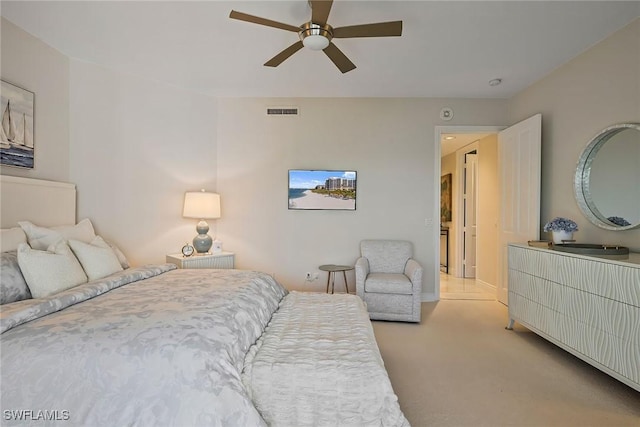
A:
x: 314, y: 36
x: 315, y: 42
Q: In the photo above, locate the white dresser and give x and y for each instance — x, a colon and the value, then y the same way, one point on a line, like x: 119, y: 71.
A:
x: 589, y: 306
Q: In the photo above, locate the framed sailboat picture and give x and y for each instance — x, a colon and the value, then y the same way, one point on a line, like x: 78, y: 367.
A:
x: 16, y: 132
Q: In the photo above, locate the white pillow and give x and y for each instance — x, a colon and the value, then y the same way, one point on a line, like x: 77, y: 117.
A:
x: 41, y: 238
x: 51, y: 271
x: 121, y: 257
x: 97, y: 258
x: 10, y: 238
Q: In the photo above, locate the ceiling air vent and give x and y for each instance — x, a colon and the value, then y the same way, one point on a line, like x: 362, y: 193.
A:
x: 282, y: 111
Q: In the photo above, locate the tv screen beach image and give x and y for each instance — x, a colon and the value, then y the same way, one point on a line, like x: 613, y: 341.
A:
x: 322, y: 189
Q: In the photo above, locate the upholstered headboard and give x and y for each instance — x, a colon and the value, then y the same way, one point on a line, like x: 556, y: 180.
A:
x: 46, y: 203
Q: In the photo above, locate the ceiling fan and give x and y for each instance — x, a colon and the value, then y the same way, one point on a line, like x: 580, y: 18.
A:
x: 317, y: 34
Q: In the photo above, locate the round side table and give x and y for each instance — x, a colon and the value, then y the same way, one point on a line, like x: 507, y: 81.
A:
x: 332, y: 269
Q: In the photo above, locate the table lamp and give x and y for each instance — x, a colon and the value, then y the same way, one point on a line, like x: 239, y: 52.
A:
x: 201, y: 205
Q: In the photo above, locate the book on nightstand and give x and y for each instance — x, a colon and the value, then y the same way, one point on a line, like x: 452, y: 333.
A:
x: 540, y: 243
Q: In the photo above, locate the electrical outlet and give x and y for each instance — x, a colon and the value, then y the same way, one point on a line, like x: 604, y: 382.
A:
x: 311, y: 277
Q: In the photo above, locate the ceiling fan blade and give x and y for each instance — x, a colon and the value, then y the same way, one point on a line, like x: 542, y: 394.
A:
x: 320, y: 11
x: 380, y: 29
x: 280, y: 58
x: 340, y: 59
x: 262, y: 21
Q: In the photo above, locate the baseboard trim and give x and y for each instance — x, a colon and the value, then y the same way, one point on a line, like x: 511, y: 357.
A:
x: 486, y: 286
x: 429, y: 297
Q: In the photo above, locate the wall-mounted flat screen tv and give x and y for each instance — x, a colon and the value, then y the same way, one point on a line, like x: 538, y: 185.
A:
x: 322, y: 189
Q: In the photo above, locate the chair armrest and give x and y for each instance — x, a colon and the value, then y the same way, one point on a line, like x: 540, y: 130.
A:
x: 362, y: 271
x: 413, y: 270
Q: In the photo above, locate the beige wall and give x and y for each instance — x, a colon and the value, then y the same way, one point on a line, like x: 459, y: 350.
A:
x: 32, y: 65
x: 448, y: 165
x: 390, y: 142
x: 488, y: 211
x: 136, y: 147
x: 598, y: 88
x: 132, y: 146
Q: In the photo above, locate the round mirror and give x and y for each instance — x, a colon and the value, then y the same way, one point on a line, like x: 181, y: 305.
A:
x: 607, y: 181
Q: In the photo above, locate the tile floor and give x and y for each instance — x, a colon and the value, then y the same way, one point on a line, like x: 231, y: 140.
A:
x: 459, y: 288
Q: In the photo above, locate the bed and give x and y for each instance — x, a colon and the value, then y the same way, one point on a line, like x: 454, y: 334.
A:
x: 155, y: 345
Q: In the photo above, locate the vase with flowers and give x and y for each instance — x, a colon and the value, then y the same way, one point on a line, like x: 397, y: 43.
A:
x: 561, y: 228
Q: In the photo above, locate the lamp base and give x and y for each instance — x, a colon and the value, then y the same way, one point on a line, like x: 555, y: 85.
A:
x: 202, y: 242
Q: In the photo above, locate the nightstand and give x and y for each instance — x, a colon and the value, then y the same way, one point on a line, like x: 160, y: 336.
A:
x: 216, y: 260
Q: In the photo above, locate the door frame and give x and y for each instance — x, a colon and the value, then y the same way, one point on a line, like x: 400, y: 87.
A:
x: 437, y: 169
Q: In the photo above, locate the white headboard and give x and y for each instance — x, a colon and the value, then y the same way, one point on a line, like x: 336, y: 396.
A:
x: 46, y: 203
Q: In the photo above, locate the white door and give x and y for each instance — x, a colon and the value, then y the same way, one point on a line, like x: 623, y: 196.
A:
x: 470, y: 217
x: 519, y: 162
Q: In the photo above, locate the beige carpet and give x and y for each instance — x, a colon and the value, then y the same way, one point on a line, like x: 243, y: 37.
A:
x: 460, y: 367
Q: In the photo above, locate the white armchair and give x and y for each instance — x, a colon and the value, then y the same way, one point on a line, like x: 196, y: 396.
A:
x: 389, y: 280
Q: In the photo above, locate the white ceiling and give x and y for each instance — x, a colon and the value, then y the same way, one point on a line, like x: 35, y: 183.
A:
x: 448, y: 48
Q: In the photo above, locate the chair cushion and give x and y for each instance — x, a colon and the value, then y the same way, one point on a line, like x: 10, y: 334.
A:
x: 389, y: 306
x: 386, y: 256
x: 388, y: 283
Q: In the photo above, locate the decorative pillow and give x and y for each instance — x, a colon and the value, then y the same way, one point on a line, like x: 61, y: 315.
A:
x: 40, y: 238
x: 97, y: 258
x: 51, y: 271
x: 10, y: 238
x: 124, y: 263
x: 13, y: 287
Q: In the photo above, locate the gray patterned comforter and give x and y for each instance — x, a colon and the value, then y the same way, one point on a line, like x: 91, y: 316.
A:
x: 167, y: 350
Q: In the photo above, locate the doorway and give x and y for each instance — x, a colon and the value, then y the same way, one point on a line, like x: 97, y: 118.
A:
x: 471, y: 273
x: 517, y: 194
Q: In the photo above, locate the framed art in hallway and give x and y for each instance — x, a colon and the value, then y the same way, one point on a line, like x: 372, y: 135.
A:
x: 445, y: 198
x: 322, y: 189
x: 16, y: 132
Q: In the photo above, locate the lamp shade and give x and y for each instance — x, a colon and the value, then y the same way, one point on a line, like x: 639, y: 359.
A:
x: 201, y: 205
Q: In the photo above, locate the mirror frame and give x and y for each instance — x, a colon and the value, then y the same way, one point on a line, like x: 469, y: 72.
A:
x: 583, y: 176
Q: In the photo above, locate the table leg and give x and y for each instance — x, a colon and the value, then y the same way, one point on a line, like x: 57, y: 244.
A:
x: 346, y: 286
x: 328, y: 280
x: 333, y: 281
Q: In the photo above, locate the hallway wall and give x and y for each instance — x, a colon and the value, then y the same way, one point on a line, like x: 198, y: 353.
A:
x: 448, y: 165
x: 488, y: 211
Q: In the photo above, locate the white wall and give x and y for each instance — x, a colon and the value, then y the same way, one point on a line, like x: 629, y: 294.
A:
x: 136, y: 147
x: 390, y: 142
x: 35, y: 66
x: 596, y: 89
